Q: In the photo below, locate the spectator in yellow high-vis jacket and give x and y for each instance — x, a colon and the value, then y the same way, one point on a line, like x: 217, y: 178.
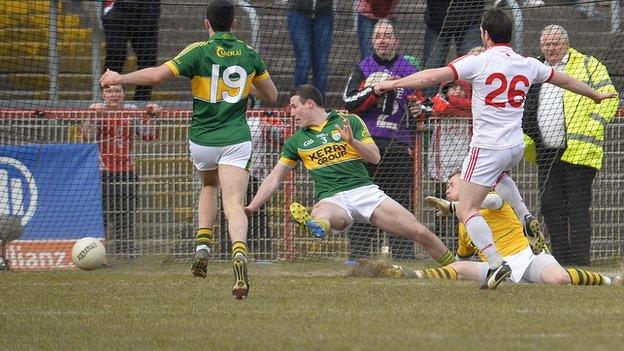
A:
x: 565, y: 134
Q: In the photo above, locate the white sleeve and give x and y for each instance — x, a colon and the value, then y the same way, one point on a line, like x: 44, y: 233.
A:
x: 467, y: 67
x: 492, y: 202
x: 542, y: 73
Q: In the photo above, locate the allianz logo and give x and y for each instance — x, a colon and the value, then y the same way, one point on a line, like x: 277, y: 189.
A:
x: 18, y: 190
x: 26, y: 258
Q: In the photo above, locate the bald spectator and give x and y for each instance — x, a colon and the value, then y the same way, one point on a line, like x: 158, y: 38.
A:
x: 567, y: 132
x: 369, y: 12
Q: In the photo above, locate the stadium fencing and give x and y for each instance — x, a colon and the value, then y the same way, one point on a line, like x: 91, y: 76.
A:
x: 52, y: 53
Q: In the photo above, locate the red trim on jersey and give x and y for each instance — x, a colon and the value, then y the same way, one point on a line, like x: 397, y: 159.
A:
x: 450, y: 65
x: 500, y: 44
x: 476, y: 214
x: 552, y: 73
x: 455, y: 75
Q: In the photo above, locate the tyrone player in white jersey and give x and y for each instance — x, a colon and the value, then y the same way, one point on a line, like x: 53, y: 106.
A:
x: 500, y: 80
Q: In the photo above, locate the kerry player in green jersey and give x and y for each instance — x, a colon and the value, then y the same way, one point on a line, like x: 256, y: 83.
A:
x: 334, y: 147
x: 223, y: 72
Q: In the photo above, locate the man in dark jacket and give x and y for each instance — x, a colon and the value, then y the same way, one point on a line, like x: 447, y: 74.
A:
x: 387, y: 118
x: 134, y: 21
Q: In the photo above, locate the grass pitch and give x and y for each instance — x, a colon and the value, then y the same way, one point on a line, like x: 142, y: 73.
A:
x: 297, y: 306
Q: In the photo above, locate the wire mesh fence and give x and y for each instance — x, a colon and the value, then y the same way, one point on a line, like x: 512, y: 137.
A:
x: 52, y: 54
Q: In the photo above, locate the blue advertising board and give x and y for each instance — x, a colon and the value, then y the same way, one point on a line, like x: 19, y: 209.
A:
x: 54, y: 188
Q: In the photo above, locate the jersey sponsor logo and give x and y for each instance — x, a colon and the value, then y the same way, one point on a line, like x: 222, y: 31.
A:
x: 336, y: 135
x: 327, y: 155
x: 221, y: 52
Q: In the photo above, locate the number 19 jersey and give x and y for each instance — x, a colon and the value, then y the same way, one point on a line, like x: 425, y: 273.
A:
x: 500, y: 80
x: 221, y: 70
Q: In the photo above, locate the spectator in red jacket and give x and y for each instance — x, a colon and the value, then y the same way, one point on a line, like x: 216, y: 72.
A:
x: 450, y: 122
x: 451, y: 119
x: 114, y: 134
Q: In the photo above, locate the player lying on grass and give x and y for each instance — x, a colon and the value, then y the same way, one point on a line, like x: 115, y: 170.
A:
x: 334, y: 147
x: 512, y: 245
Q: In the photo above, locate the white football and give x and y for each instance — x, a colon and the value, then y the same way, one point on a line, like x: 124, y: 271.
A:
x: 88, y: 254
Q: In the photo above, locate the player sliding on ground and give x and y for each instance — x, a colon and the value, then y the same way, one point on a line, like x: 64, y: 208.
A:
x: 512, y: 245
x: 500, y: 80
x: 334, y: 147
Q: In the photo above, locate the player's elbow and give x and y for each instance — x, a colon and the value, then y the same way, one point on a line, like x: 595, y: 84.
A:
x: 272, y: 96
x: 375, y: 158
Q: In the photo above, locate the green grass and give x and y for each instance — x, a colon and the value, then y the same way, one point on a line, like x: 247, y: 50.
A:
x: 296, y: 306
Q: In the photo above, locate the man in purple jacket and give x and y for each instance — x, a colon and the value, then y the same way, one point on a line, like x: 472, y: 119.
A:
x: 388, y: 118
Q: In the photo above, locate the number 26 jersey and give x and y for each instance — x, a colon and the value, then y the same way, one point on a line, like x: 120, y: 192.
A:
x: 500, y: 81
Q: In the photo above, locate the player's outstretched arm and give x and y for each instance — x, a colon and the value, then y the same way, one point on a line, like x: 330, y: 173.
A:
x: 270, y: 184
x: 265, y: 90
x: 446, y: 207
x: 422, y: 79
x: 576, y: 86
x: 150, y: 76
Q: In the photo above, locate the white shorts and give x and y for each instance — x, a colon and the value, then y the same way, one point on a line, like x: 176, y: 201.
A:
x: 207, y: 158
x: 533, y: 273
x: 360, y: 203
x: 484, y: 166
x: 518, y: 263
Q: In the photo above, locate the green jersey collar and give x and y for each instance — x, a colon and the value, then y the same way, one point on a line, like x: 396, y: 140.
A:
x: 223, y: 36
x: 331, y: 114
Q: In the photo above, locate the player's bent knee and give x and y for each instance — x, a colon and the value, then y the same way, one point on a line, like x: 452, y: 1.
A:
x: 556, y: 278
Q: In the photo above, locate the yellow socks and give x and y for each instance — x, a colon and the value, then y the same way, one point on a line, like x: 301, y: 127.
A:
x: 204, y: 239
x: 239, y: 247
x: 438, y: 273
x: 583, y: 277
x: 446, y: 259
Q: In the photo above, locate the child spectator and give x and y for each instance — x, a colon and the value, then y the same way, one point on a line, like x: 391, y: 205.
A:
x: 114, y: 133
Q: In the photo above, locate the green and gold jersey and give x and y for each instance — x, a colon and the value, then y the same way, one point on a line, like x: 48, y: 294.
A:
x: 506, y: 231
x: 334, y: 165
x: 221, y: 70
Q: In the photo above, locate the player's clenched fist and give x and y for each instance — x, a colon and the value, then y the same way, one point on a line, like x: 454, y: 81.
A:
x: 383, y: 87
x: 604, y: 96
x: 110, y: 78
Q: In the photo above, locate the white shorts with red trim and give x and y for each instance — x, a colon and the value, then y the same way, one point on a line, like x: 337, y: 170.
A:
x: 485, y: 166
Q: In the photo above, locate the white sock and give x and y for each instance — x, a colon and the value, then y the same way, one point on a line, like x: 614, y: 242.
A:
x: 508, y: 191
x: 203, y: 247
x: 481, y: 235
